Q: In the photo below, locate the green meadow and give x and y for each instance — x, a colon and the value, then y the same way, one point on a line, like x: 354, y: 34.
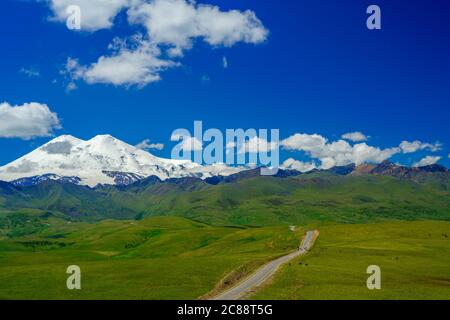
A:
x: 414, y: 258
x: 155, y: 258
x: 177, y: 258
x: 187, y: 239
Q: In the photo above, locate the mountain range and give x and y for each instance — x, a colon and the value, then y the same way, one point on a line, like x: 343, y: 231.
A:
x: 104, y: 178
x: 105, y: 160
x: 100, y: 160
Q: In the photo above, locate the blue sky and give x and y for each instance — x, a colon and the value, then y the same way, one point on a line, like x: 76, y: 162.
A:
x: 318, y: 71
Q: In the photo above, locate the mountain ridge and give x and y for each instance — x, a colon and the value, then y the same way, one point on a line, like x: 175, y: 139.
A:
x: 100, y: 160
x: 105, y: 160
x: 244, y: 200
x: 128, y: 178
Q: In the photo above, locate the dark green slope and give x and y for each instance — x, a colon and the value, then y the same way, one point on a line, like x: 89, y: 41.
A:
x: 248, y: 200
x: 78, y: 202
x: 325, y: 197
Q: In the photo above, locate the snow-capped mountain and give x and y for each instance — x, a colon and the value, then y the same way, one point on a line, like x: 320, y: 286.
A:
x: 101, y: 160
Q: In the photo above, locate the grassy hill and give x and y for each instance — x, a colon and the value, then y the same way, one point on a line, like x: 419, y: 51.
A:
x: 177, y: 258
x: 183, y: 238
x: 414, y: 258
x: 255, y: 201
x: 156, y: 258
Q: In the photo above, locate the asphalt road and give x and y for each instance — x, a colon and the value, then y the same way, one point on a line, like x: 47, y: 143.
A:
x: 240, y: 290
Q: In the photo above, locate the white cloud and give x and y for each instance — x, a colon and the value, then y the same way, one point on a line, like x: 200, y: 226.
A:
x: 428, y: 160
x: 411, y: 147
x: 171, y: 22
x: 72, y: 71
x: 134, y: 62
x: 304, y: 142
x: 365, y: 153
x: 30, y: 72
x: 27, y: 121
x: 337, y: 153
x: 188, y: 143
x: 95, y: 14
x: 255, y: 145
x: 298, y: 165
x: 355, y: 136
x: 177, y: 23
x: 172, y: 27
x: 225, y: 62
x: 71, y: 86
x: 146, y: 145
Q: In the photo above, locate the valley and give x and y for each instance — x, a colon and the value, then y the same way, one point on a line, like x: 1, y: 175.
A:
x: 191, y: 236
x: 243, y: 199
x: 224, y: 150
x: 156, y: 258
x: 177, y: 258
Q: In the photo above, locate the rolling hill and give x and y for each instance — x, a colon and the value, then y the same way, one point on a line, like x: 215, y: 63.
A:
x: 247, y: 198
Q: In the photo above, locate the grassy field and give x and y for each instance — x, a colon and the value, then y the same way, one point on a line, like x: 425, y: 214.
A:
x: 414, y: 258
x: 177, y: 258
x: 156, y: 258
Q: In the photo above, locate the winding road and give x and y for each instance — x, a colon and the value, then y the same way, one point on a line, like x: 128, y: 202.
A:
x: 243, y: 288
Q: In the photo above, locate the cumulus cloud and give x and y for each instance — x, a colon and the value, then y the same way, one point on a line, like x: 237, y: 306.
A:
x: 147, y: 145
x: 27, y: 121
x: 304, y: 142
x: 95, y: 14
x: 134, y: 61
x: 428, y: 160
x: 355, y: 136
x: 337, y: 153
x: 298, y: 165
x: 177, y: 23
x: 172, y: 22
x: 255, y: 145
x: 188, y: 143
x: 411, y: 147
x: 172, y: 27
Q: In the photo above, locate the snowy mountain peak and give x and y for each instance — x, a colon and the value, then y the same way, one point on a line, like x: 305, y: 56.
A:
x: 105, y: 139
x: 94, y: 160
x: 65, y: 138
